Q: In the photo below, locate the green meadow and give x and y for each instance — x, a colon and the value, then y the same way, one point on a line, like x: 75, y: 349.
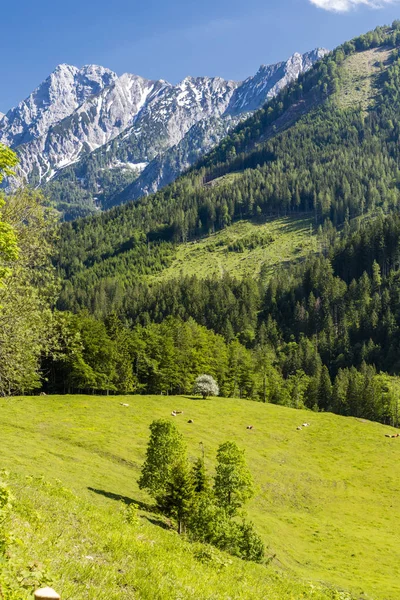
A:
x: 327, y: 502
x: 359, y: 77
x: 265, y: 245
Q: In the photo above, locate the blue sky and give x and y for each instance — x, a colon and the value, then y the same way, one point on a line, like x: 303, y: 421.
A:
x: 169, y: 40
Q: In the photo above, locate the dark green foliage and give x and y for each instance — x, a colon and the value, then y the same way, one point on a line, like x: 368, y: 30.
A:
x: 211, y: 524
x: 183, y: 493
x: 87, y: 357
x: 250, y: 545
x: 179, y: 493
x: 200, y: 478
x: 250, y: 242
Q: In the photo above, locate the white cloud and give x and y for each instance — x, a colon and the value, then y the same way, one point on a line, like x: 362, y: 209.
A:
x: 346, y: 5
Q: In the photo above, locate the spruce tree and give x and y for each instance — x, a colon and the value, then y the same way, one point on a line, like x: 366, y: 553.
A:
x: 177, y: 498
x: 325, y: 390
x: 201, y: 483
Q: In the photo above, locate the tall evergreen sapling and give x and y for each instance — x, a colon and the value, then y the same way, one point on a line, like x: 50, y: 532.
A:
x: 200, y: 478
x: 179, y: 493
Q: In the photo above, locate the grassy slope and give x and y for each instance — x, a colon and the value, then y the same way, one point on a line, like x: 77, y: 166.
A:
x: 327, y: 503
x: 360, y: 72
x: 210, y: 256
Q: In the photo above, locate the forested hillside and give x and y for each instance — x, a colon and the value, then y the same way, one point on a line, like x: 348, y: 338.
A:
x: 335, y: 162
x: 311, y: 323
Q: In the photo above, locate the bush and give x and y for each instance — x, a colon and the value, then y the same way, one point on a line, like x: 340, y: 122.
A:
x: 211, y: 524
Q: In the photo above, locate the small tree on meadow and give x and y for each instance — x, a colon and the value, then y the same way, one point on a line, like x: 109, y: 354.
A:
x: 165, y: 449
x: 233, y: 483
x: 179, y: 492
x: 201, y: 483
x: 205, y: 385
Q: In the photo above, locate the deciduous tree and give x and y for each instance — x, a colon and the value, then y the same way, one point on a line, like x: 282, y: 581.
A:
x: 233, y: 484
x: 205, y: 385
x: 165, y: 449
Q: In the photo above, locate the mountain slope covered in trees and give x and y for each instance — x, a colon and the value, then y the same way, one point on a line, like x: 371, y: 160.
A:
x: 325, y: 149
x: 319, y: 157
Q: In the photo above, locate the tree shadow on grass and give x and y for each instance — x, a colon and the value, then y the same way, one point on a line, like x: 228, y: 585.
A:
x: 160, y: 523
x: 126, y: 500
x: 142, y: 505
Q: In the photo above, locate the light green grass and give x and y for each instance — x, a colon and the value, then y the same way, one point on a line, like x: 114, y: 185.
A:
x: 292, y: 240
x: 359, y: 73
x: 228, y: 178
x: 327, y: 501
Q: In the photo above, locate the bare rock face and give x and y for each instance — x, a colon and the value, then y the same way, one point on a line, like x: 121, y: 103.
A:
x: 89, y: 120
x: 56, y: 98
x: 269, y: 80
x: 73, y: 112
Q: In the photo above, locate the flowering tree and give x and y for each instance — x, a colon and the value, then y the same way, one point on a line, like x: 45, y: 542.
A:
x: 205, y: 385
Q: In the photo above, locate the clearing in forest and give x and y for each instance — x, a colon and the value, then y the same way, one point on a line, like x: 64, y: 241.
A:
x: 359, y: 73
x: 244, y: 249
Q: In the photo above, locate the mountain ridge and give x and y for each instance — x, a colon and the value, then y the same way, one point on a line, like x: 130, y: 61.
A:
x: 129, y: 121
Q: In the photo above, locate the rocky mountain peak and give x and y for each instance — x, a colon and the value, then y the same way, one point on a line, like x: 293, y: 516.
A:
x: 53, y: 100
x: 132, y: 120
x: 270, y: 79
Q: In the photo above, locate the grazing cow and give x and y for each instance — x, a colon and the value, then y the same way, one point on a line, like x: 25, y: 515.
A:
x: 249, y: 427
x: 122, y: 404
x: 299, y: 428
x: 306, y: 425
x: 190, y: 421
x: 173, y: 414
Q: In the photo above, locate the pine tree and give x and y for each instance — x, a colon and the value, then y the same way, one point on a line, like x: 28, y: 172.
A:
x: 324, y: 390
x: 177, y: 498
x: 200, y: 477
